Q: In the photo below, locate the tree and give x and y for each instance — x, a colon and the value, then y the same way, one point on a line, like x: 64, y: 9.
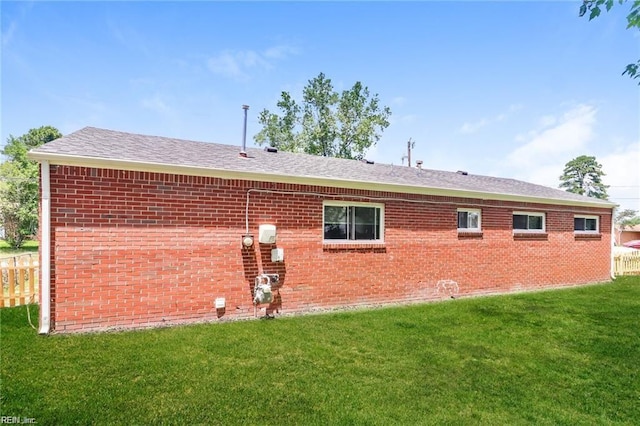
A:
x: 626, y: 219
x: 326, y: 123
x: 19, y: 184
x: 583, y: 175
x: 594, y: 7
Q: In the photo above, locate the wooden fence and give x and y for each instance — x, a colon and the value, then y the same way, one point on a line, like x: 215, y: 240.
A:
x: 19, y: 276
x: 627, y: 263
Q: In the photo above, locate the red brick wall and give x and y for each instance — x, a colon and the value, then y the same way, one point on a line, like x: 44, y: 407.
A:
x: 133, y: 249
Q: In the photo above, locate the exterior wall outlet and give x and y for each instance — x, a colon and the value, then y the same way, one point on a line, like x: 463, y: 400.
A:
x: 277, y: 255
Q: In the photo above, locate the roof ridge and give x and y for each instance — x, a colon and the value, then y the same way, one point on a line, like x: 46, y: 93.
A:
x: 133, y: 151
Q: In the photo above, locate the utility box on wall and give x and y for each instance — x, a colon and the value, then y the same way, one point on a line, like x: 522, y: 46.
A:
x: 267, y: 234
x: 277, y: 255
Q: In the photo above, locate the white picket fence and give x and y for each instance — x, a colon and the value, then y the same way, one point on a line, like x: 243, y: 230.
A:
x: 627, y: 263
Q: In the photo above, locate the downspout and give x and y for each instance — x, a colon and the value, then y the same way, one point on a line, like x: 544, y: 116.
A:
x: 613, y: 242
x: 45, y: 250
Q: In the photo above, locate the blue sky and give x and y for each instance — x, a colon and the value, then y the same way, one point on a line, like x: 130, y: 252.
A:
x: 510, y: 89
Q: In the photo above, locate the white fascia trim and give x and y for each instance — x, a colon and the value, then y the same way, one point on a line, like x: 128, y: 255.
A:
x: 45, y: 250
x: 131, y: 165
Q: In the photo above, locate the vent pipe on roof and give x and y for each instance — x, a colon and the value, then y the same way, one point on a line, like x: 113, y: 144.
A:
x: 419, y: 164
x: 243, y: 153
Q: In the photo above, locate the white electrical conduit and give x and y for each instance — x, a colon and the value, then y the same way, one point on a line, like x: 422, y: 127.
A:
x: 45, y: 250
x: 613, y: 243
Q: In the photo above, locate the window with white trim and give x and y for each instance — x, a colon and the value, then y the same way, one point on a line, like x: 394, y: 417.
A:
x: 586, y: 224
x: 528, y: 222
x: 469, y: 220
x: 350, y: 221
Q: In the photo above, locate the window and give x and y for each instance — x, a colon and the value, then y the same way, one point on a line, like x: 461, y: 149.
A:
x: 468, y: 220
x: 586, y: 224
x: 528, y: 222
x: 353, y: 221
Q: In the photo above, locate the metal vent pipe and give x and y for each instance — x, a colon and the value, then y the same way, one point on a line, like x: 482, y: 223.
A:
x: 244, y: 132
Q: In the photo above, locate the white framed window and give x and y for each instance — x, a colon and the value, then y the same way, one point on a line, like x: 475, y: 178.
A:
x: 528, y: 222
x: 469, y: 220
x: 353, y: 221
x: 586, y: 224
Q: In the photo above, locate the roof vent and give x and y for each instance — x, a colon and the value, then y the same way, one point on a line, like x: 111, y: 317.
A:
x: 271, y: 149
x: 462, y: 172
x: 243, y: 152
x: 419, y: 164
x: 364, y: 160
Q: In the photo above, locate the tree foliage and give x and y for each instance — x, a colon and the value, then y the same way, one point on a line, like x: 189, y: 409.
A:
x: 583, y: 175
x: 19, y: 184
x: 626, y: 219
x: 326, y: 122
x: 594, y: 7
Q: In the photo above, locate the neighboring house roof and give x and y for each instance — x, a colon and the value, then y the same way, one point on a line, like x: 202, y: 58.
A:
x: 635, y: 228
x: 93, y: 147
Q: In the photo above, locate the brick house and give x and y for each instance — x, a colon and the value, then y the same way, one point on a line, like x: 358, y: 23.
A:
x: 628, y: 234
x: 142, y: 230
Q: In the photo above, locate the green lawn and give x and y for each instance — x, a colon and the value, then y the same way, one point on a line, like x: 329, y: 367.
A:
x: 553, y: 357
x: 28, y: 247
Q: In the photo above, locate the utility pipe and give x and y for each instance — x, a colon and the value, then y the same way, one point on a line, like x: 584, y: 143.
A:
x: 613, y: 242
x: 45, y: 250
x: 243, y: 153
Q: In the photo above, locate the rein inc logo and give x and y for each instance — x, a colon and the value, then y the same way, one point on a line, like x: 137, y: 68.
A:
x: 15, y: 420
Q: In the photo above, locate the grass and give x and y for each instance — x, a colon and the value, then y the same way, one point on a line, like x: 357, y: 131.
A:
x: 554, y: 357
x: 29, y: 246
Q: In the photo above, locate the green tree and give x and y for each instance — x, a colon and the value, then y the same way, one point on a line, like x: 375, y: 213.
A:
x: 594, y: 7
x: 583, y: 175
x: 19, y: 184
x: 326, y: 123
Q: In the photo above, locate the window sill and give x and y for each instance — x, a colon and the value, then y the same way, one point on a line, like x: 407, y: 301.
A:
x: 470, y: 235
x: 587, y: 236
x: 530, y: 236
x: 377, y: 247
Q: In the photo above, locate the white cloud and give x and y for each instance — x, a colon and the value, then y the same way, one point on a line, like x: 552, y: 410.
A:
x: 473, y: 127
x: 399, y: 100
x: 237, y: 64
x: 280, y: 51
x: 129, y: 37
x: 9, y: 31
x: 228, y: 64
x: 155, y: 103
x: 548, y: 120
x: 406, y: 118
x: 7, y: 35
x: 571, y: 133
x: 558, y: 139
x: 622, y: 174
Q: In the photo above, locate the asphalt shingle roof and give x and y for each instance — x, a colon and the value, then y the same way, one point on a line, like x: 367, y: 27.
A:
x: 95, y: 143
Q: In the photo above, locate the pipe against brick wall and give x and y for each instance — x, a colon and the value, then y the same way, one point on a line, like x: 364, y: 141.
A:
x: 45, y: 250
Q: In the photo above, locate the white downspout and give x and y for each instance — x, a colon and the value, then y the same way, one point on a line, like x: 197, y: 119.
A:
x: 613, y: 242
x: 45, y: 250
